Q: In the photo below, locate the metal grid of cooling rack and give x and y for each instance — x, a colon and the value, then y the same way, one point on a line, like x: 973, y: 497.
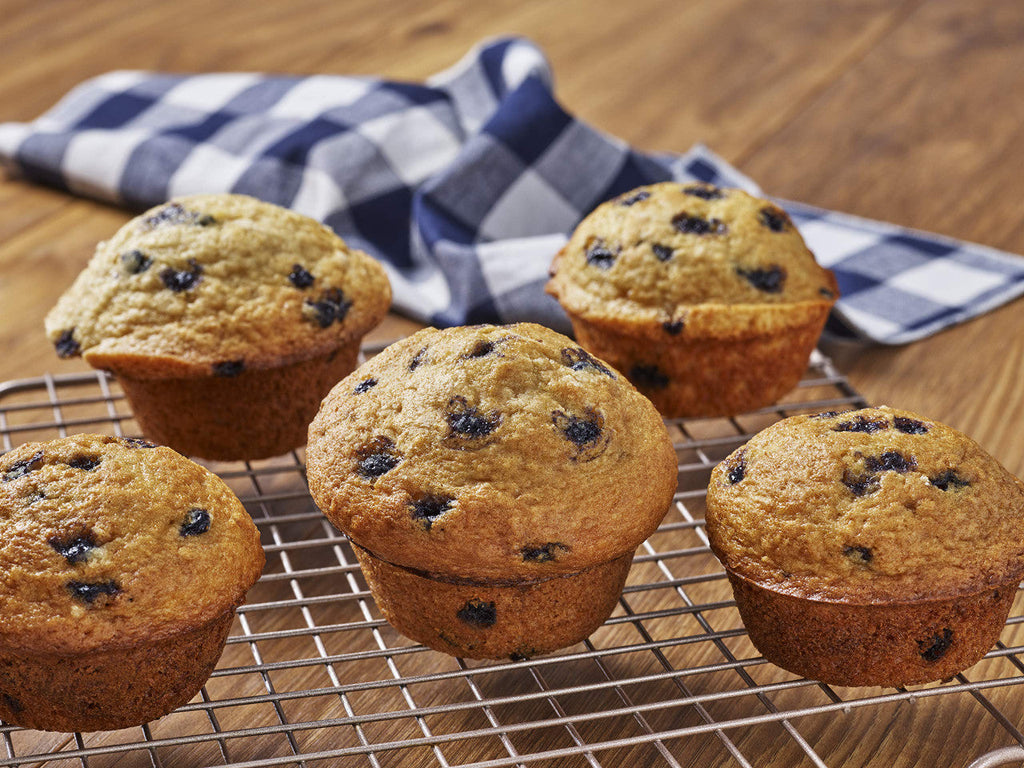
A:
x: 312, y: 675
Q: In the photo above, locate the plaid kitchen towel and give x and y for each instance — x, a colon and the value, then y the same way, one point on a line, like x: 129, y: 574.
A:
x: 465, y: 186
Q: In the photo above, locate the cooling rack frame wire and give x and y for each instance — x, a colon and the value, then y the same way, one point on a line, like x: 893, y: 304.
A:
x: 313, y: 675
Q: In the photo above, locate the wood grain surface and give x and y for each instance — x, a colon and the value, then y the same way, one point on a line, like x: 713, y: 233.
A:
x: 908, y: 111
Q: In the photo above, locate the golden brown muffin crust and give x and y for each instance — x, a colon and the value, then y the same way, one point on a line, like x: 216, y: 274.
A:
x: 491, y: 452
x: 217, y: 281
x: 676, y: 254
x: 875, y: 504
x: 108, y: 541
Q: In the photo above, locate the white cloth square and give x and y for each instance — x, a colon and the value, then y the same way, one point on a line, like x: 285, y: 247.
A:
x: 946, y: 282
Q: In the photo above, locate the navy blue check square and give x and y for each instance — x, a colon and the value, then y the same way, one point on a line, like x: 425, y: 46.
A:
x: 464, y: 186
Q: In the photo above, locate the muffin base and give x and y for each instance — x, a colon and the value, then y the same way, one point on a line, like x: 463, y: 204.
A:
x: 257, y: 414
x: 489, y: 620
x: 706, y: 376
x: 105, y: 690
x: 882, y: 644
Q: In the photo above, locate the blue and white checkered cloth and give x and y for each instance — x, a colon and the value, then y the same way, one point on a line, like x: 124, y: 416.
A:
x: 465, y: 186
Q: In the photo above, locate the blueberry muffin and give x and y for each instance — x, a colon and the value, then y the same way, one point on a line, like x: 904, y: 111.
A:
x: 123, y: 565
x: 872, y: 547
x: 705, y: 297
x: 495, y: 482
x: 225, y: 319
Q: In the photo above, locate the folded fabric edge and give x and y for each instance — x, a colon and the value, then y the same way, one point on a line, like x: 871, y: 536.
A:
x: 848, y: 324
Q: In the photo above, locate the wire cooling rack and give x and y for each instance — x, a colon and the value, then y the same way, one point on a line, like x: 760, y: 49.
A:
x: 313, y: 676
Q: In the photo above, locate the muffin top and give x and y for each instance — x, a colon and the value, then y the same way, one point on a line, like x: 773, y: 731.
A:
x: 491, y: 452
x: 867, y: 505
x: 673, y: 254
x: 217, y: 283
x: 106, y: 541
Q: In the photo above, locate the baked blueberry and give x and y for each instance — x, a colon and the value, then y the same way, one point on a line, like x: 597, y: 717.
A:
x: 23, y: 467
x: 364, y: 386
x: 775, y: 219
x: 331, y: 308
x: 175, y: 214
x: 861, y: 484
x: 427, y: 509
x: 467, y: 421
x: 543, y: 553
x: 600, y: 255
x: 580, y: 360
x: 300, y: 277
x: 75, y: 549
x: 949, y: 480
x: 769, y: 280
x: 634, y: 198
x: 137, y: 442
x: 66, y: 345
x: 580, y: 430
x: 862, y: 555
x: 737, y: 469
x: 481, y: 349
x: 377, y: 464
x: 135, y: 261
x: 662, y: 252
x: 417, y: 359
x: 197, y: 521
x: 85, y: 463
x: 585, y: 432
x: 862, y: 423
x: 180, y: 280
x: 890, y: 461
x: 478, y: 613
x: 934, y: 648
x: 377, y: 458
x: 674, y: 327
x: 89, y: 592
x: 704, y: 191
x: 12, y: 703
x: 228, y: 368
x: 689, y: 224
x: 909, y: 426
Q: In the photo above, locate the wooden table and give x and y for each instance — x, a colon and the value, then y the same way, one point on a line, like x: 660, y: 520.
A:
x: 908, y: 111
